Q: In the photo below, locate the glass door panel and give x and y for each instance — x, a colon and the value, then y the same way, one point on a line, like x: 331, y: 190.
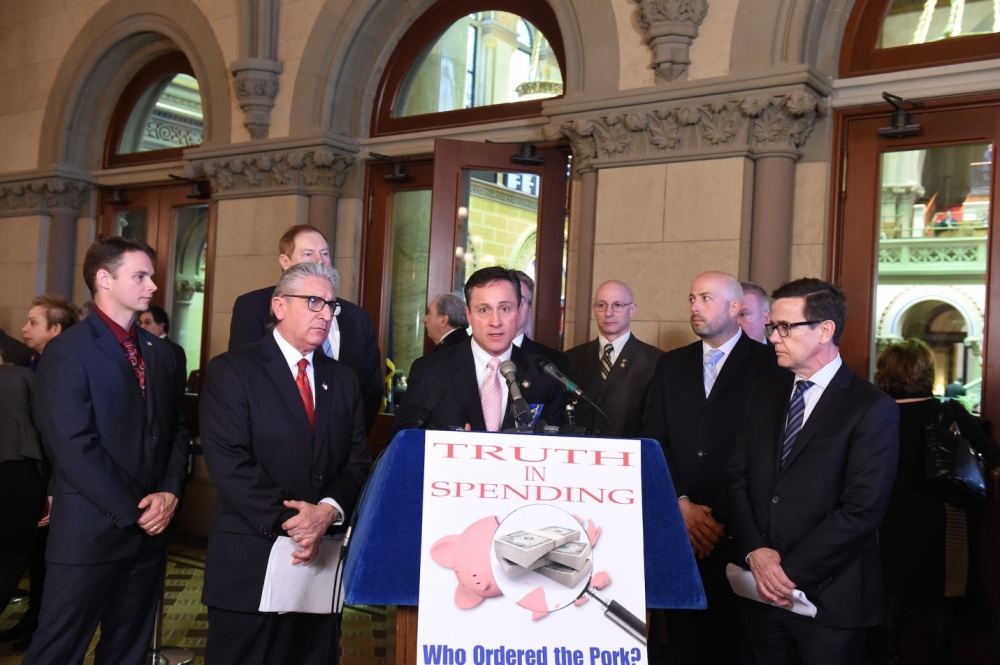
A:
x: 932, y: 259
x: 190, y: 259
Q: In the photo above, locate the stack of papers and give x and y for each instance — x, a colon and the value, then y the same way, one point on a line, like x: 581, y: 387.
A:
x: 301, y: 588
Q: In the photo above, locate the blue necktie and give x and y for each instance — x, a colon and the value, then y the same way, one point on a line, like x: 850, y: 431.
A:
x: 796, y: 415
x: 711, y: 369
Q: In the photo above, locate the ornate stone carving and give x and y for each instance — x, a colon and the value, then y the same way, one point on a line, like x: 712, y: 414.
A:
x: 307, y: 171
x: 49, y: 196
x: 256, y: 87
x: 670, y: 27
x: 775, y: 124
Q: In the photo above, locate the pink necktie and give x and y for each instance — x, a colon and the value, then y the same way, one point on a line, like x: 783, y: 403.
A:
x: 492, y: 398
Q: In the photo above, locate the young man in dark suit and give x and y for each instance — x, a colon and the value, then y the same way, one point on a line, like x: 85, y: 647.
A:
x: 697, y: 400
x: 615, y: 369
x: 111, y: 418
x: 809, y: 482
x: 282, y: 428
x: 157, y: 322
x: 525, y: 321
x: 352, y: 338
x: 461, y: 386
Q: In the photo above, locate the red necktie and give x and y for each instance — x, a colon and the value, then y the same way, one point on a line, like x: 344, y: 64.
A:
x: 137, y: 363
x: 302, y: 381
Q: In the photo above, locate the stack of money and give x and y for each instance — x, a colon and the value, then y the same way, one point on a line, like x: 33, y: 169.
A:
x: 555, y: 552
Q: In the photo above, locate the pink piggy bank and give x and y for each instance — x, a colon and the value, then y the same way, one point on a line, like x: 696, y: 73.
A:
x: 468, y: 555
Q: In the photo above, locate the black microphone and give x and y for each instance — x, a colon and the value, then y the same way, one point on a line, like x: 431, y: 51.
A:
x: 424, y: 419
x: 545, y: 366
x: 522, y: 412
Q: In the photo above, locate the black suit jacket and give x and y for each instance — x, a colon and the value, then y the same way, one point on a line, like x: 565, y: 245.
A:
x: 558, y: 358
x: 697, y: 432
x: 180, y: 361
x: 14, y: 351
x: 19, y: 438
x: 454, y: 338
x: 449, y: 377
x: 109, y: 447
x: 821, y: 511
x: 260, y: 451
x: 358, y: 345
x: 623, y: 395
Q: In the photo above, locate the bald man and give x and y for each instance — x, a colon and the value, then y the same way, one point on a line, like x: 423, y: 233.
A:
x: 698, y: 397
x: 614, y: 370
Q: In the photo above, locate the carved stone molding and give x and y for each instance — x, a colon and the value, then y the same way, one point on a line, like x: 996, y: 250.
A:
x: 776, y: 124
x: 256, y: 87
x: 669, y: 28
x: 47, y: 196
x: 306, y: 171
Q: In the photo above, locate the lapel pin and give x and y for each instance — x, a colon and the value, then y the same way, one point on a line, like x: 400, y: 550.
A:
x: 149, y: 344
x: 324, y: 386
x: 525, y: 384
x: 624, y: 362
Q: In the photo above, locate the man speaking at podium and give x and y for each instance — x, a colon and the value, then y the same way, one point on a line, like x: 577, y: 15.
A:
x: 461, y: 387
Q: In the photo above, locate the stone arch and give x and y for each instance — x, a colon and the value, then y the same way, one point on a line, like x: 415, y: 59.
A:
x: 350, y: 43
x: 890, y: 323
x: 115, y: 43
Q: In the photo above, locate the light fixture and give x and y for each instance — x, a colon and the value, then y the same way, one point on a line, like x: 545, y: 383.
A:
x: 527, y: 155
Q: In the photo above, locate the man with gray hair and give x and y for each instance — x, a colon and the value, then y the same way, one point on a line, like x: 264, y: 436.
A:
x: 282, y: 427
x: 756, y: 312
x: 445, y: 321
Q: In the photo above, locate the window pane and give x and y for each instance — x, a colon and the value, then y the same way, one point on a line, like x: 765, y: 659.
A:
x: 190, y: 255
x: 482, y: 59
x: 167, y: 115
x: 411, y: 237
x: 933, y: 259
x: 921, y: 21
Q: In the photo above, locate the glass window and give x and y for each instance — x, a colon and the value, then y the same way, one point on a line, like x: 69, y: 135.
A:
x: 922, y: 21
x: 167, y: 115
x: 482, y: 59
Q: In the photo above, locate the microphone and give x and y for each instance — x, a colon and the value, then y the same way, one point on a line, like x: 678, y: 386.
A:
x: 522, y: 412
x: 545, y: 366
x: 424, y: 419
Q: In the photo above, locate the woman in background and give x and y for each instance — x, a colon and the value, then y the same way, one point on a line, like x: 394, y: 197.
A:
x: 928, y: 547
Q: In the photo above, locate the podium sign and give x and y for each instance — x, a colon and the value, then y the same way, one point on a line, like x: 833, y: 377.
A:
x: 531, y: 551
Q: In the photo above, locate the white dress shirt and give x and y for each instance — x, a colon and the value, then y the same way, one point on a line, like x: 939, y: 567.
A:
x: 616, y: 345
x: 726, y: 349
x: 482, y: 359
x: 820, y: 380
x: 519, y: 340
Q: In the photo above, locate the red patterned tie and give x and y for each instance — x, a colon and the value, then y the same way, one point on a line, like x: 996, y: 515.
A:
x: 137, y: 363
x: 302, y: 381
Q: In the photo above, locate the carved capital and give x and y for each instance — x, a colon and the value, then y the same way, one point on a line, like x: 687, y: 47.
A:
x: 320, y: 170
x: 256, y: 86
x: 772, y: 125
x: 669, y: 28
x: 48, y: 196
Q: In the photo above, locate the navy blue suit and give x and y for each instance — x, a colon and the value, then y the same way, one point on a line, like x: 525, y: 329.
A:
x: 260, y: 451
x: 110, y: 448
x: 358, y: 344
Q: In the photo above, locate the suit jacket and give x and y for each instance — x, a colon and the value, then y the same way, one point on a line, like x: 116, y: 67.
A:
x: 260, y: 451
x: 109, y: 447
x: 697, y: 432
x: 14, y: 351
x: 19, y: 437
x: 623, y: 395
x: 180, y: 361
x: 821, y: 511
x: 453, y: 338
x: 449, y: 377
x: 558, y: 358
x: 358, y: 345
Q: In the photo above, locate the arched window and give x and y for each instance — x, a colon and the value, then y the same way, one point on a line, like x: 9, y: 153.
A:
x: 468, y: 62
x: 158, y: 115
x: 895, y: 35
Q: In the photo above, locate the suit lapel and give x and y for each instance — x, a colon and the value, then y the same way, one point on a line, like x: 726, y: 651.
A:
x: 284, y: 383
x: 734, y: 365
x: 591, y: 379
x: 345, y: 324
x: 622, y: 362
x: 827, y: 404
x: 109, y: 346
x: 323, y: 401
x: 694, y: 372
x: 781, y: 404
x: 149, y: 358
x: 467, y: 388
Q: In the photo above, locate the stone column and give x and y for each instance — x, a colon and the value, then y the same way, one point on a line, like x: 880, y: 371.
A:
x: 771, y: 230
x: 61, y: 254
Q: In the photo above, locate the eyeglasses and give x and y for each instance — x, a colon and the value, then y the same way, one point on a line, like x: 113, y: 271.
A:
x: 316, y: 304
x: 785, y: 329
x: 617, y: 307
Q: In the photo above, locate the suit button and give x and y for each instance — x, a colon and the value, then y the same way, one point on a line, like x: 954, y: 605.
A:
x: 318, y: 476
x: 152, y: 437
x: 597, y: 431
x: 774, y: 499
x: 701, y: 453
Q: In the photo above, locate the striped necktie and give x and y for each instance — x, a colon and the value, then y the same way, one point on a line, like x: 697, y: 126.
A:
x: 606, y: 361
x: 796, y: 416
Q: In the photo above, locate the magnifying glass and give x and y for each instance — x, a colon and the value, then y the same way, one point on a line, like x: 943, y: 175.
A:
x: 620, y: 616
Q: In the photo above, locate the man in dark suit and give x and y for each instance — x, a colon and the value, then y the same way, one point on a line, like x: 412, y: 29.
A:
x: 110, y: 417
x: 525, y: 319
x: 445, y: 322
x: 461, y: 386
x: 756, y: 312
x: 615, y: 369
x: 282, y: 427
x: 697, y: 400
x: 809, y: 481
x: 352, y: 338
x: 157, y: 322
x: 13, y: 351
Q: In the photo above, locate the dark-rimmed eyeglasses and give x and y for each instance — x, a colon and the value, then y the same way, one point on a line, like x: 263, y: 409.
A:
x: 316, y: 303
x: 617, y: 307
x: 785, y: 329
